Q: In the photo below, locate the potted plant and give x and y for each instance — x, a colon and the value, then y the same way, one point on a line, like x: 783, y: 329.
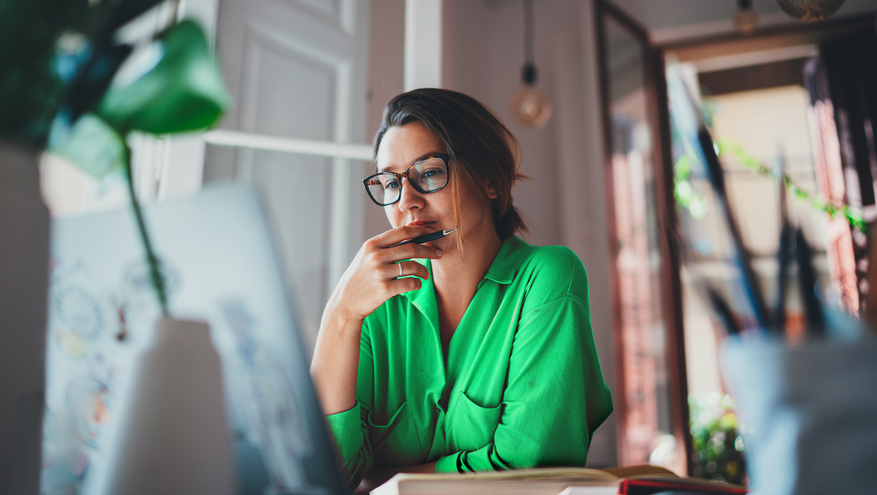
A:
x: 58, y: 92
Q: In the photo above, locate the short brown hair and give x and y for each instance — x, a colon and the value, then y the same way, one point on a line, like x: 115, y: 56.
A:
x: 483, y: 151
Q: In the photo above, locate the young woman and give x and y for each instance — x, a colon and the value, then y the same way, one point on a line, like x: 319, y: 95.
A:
x: 472, y: 352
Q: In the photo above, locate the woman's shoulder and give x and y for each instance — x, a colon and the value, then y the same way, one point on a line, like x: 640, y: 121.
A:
x: 548, y: 260
x: 555, y: 271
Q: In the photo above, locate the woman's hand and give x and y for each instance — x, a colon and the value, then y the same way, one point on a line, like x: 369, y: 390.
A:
x: 374, y: 275
x: 372, y: 278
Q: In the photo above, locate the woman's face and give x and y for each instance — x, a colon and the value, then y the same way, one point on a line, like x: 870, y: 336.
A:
x: 399, y: 149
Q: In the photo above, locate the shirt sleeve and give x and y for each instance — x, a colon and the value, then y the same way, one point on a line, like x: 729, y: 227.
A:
x: 350, y: 428
x: 555, y: 395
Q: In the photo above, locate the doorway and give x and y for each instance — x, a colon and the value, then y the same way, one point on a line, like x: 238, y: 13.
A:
x: 768, y: 104
x: 770, y: 108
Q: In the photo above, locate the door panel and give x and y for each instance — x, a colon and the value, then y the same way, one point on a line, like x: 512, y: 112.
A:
x: 296, y: 68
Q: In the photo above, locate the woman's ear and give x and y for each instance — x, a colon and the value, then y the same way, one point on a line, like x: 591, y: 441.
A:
x: 491, y: 194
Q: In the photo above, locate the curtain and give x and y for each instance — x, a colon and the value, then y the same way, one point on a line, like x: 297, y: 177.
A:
x: 842, y: 82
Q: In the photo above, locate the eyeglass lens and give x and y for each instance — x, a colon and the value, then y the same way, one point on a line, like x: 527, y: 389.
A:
x: 426, y: 176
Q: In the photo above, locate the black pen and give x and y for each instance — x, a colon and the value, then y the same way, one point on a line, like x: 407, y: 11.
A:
x: 426, y: 237
x: 716, y: 176
x: 723, y: 310
x: 785, y: 253
x: 807, y: 279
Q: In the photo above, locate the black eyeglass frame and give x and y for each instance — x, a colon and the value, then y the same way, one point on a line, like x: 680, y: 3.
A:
x: 445, y: 157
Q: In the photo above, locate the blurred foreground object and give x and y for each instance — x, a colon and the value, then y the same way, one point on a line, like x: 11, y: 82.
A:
x: 810, y: 10
x: 173, y: 430
x: 24, y: 278
x: 277, y: 430
x: 184, y: 92
x: 809, y: 412
x: 61, y: 57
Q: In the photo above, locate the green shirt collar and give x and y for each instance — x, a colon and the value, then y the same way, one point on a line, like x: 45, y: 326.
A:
x: 505, y: 265
x: 502, y: 271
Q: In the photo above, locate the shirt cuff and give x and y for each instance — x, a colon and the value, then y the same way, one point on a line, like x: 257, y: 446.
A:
x: 447, y: 464
x: 346, y: 427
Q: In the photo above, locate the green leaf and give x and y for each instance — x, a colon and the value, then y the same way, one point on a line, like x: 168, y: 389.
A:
x: 183, y: 92
x: 91, y: 145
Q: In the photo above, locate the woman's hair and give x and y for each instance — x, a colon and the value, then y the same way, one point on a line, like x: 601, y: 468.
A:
x: 483, y: 151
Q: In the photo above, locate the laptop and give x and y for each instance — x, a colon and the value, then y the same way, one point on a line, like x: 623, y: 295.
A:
x: 220, y: 266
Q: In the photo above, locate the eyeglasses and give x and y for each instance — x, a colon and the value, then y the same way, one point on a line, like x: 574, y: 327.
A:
x: 426, y: 176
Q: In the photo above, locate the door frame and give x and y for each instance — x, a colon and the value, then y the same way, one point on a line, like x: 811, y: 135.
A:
x: 658, y: 115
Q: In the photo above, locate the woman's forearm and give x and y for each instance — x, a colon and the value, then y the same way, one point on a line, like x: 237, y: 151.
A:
x: 335, y: 363
x: 380, y: 270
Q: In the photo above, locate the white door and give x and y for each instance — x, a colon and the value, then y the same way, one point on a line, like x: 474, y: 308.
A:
x: 297, y: 69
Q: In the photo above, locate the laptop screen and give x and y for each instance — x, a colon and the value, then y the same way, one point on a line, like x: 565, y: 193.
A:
x: 220, y: 266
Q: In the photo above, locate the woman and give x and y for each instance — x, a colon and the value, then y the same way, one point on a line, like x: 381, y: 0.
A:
x: 477, y: 356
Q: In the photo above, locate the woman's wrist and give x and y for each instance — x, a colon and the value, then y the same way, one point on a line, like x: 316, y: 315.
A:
x: 341, y: 321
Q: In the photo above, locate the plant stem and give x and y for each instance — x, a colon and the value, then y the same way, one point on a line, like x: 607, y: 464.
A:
x: 151, y: 259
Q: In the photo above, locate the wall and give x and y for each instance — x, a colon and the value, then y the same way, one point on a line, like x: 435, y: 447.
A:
x: 385, y: 79
x: 675, y: 20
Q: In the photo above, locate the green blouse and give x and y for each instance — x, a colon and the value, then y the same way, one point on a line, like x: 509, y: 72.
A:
x: 521, y: 385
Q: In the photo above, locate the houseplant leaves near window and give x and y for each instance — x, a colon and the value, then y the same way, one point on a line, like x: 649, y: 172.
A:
x: 182, y: 92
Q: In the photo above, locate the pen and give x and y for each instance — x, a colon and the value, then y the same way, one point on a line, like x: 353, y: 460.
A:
x: 785, y: 252
x: 426, y: 237
x: 716, y: 177
x: 807, y: 277
x: 726, y: 315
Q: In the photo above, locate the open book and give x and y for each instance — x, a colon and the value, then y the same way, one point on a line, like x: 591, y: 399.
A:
x: 641, y: 480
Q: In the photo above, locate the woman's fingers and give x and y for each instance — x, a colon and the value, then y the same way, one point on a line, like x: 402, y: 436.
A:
x: 379, y: 272
x: 407, y: 269
x: 407, y: 252
x: 401, y: 285
x: 400, y: 234
x: 400, y: 277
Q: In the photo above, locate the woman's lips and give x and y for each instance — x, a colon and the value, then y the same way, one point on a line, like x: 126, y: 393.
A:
x: 423, y: 223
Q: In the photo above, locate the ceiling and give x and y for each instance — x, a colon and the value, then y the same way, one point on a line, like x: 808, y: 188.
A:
x: 664, y: 14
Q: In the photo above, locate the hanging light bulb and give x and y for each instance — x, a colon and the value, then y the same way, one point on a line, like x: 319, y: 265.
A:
x: 810, y: 10
x: 529, y: 105
x: 745, y: 19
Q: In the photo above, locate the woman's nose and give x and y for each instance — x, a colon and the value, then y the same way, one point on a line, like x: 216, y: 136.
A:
x: 410, y: 198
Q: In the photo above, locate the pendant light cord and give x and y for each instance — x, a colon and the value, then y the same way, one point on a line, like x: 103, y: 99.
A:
x: 528, y: 75
x: 529, y: 57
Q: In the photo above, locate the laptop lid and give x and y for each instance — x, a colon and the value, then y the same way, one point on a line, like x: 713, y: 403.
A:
x: 220, y: 266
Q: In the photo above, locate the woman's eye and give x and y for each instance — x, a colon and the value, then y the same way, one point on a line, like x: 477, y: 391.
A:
x: 432, y: 173
x: 393, y: 184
